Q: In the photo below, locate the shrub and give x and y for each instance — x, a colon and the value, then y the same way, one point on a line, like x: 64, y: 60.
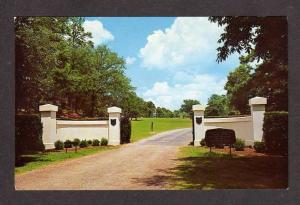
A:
x: 28, y: 134
x: 202, y: 142
x: 83, y: 144
x: 275, y: 129
x: 68, y: 144
x: 125, y: 130
x: 96, y: 142
x: 59, y: 145
x: 259, y: 146
x: 104, y: 142
x: 89, y: 142
x: 76, y: 143
x: 239, y: 145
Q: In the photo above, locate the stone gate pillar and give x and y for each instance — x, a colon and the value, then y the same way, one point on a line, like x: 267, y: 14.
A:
x: 48, y: 119
x: 257, y: 105
x: 199, y: 130
x: 114, y: 127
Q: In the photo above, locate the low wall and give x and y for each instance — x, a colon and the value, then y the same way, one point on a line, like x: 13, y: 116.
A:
x: 88, y: 130
x: 242, y: 126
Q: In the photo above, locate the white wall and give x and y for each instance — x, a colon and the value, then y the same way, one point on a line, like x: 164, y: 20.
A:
x: 88, y: 130
x: 242, y: 126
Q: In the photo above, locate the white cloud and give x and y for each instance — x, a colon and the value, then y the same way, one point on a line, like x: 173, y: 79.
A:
x: 188, y: 41
x: 99, y: 33
x: 130, y: 60
x: 171, y: 96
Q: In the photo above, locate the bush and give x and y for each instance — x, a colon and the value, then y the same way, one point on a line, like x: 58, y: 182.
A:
x: 59, y: 145
x: 89, y: 142
x: 104, y: 142
x: 202, y: 142
x: 95, y: 142
x: 259, y: 146
x: 83, y: 144
x: 28, y: 134
x: 239, y: 145
x: 76, y: 143
x: 125, y: 130
x: 275, y: 129
x: 68, y: 144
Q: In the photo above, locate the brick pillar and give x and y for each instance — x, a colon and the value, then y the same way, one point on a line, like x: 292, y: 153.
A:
x: 199, y: 130
x: 257, y: 105
x: 114, y: 127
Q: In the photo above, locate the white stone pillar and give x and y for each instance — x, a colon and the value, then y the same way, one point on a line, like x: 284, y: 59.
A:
x: 257, y: 105
x: 48, y: 119
x: 114, y: 127
x: 199, y: 130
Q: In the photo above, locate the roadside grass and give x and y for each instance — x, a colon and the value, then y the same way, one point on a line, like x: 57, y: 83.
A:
x: 200, y: 169
x: 30, y: 162
x: 141, y: 128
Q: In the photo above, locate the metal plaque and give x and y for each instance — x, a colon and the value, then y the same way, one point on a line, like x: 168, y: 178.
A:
x: 199, y: 120
x: 113, y: 122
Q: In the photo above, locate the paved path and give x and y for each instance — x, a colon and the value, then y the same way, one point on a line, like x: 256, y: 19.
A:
x: 140, y: 165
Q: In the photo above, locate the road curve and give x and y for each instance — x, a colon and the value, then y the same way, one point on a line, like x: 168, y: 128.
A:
x: 137, y: 166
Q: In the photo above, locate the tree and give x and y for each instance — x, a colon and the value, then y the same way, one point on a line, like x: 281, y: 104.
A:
x: 217, y: 105
x: 263, y: 39
x: 238, y: 88
x: 187, y: 106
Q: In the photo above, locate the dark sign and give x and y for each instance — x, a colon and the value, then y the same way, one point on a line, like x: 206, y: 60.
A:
x: 219, y: 137
x: 113, y: 122
x: 199, y: 120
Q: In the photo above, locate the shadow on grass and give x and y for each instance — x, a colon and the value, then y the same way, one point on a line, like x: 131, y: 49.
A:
x: 220, y: 171
x: 33, y: 157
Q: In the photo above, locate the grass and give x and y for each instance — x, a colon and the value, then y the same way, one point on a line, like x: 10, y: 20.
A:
x: 34, y: 161
x: 200, y: 169
x: 141, y: 128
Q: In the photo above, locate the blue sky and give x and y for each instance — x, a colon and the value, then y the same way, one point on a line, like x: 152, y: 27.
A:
x: 168, y: 59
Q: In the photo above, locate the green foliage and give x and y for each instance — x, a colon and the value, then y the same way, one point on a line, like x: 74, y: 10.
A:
x: 68, y: 144
x: 259, y: 146
x: 263, y: 39
x: 202, y: 142
x: 275, y: 130
x: 163, y: 112
x: 238, y: 88
x: 95, y: 142
x: 59, y: 145
x: 83, y: 144
x: 217, y: 105
x: 125, y: 130
x: 187, y: 106
x: 104, y: 142
x: 239, y: 144
x: 89, y: 142
x: 28, y: 134
x: 76, y: 142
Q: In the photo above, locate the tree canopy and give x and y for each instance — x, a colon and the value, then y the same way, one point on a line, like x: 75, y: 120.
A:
x: 262, y: 39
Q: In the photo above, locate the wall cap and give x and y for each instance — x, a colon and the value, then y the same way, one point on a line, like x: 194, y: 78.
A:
x: 258, y: 101
x: 198, y: 107
x: 114, y: 110
x: 48, y: 107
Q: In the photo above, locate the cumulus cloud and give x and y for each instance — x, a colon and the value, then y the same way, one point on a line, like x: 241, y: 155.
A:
x: 171, y: 96
x: 99, y: 33
x: 188, y: 41
x: 130, y: 60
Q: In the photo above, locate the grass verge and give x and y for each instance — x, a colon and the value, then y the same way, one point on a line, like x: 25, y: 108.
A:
x: 141, y: 128
x: 199, y: 169
x: 34, y: 161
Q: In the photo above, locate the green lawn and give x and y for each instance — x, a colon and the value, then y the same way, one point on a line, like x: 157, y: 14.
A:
x: 199, y: 169
x: 141, y: 128
x: 33, y: 161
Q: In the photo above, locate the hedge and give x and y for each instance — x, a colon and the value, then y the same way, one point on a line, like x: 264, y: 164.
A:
x: 28, y: 134
x: 125, y: 130
x: 275, y: 129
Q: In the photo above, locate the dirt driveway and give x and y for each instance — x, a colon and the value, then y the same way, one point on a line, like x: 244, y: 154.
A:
x: 129, y: 167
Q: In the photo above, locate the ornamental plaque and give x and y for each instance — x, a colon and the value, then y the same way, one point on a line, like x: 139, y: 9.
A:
x: 199, y: 120
x: 113, y: 122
